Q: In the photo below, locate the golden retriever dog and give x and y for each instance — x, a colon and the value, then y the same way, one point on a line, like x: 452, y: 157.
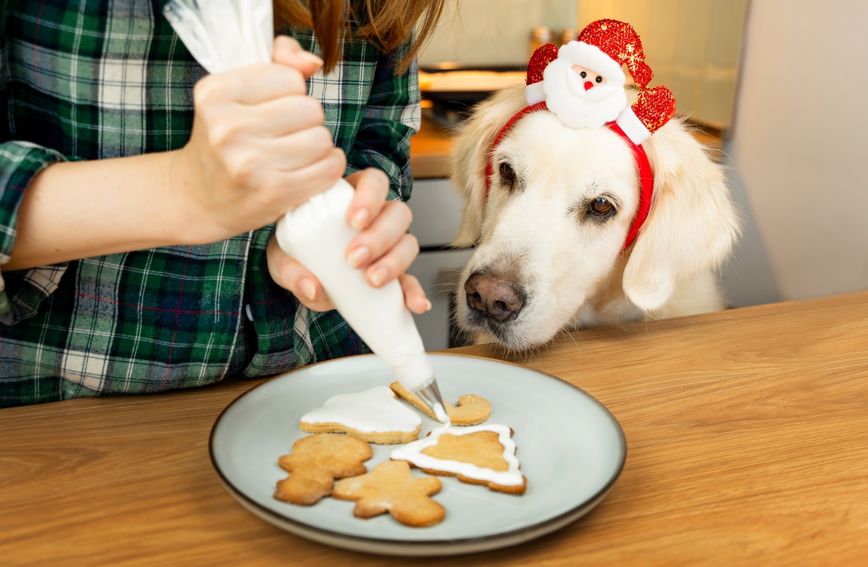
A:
x: 550, y: 233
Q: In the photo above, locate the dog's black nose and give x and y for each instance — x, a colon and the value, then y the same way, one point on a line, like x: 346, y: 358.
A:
x: 497, y: 298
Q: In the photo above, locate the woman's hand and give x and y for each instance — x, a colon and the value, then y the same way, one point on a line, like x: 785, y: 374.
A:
x: 383, y: 248
x: 258, y: 146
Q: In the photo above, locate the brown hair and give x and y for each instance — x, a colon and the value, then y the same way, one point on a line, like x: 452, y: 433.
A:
x: 385, y: 23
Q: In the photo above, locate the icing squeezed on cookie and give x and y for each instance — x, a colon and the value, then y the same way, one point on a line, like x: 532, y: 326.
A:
x: 441, y: 415
x: 471, y: 409
x: 512, y: 476
x: 374, y: 410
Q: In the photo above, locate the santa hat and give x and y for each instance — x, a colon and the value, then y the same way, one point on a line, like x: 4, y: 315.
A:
x: 621, y: 45
x: 604, y: 46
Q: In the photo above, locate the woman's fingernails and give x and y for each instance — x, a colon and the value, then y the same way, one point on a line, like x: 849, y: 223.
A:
x: 360, y: 219
x: 421, y: 305
x: 308, y: 290
x: 378, y: 276
x: 359, y: 256
x: 312, y: 58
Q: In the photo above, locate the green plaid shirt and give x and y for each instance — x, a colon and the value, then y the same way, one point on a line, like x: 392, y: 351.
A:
x: 93, y: 79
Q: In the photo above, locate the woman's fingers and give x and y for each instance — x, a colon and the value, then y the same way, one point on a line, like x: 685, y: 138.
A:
x: 414, y: 296
x: 394, y: 263
x: 287, y: 51
x: 307, y: 181
x: 255, y: 84
x: 285, y: 115
x: 372, y: 187
x: 251, y: 84
x: 297, y: 150
x: 380, y: 238
x: 289, y: 274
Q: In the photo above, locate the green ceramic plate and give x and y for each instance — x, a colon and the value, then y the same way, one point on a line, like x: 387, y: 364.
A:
x: 570, y: 447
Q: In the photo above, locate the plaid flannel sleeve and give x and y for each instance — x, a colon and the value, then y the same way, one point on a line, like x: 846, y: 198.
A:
x: 21, y: 292
x: 390, y: 119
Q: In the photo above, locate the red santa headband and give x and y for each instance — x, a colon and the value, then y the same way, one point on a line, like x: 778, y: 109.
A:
x: 557, y: 78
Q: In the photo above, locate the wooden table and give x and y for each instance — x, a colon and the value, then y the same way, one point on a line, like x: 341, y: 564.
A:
x: 747, y: 434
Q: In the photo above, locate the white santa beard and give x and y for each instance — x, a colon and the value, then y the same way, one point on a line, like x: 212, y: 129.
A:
x: 576, y: 107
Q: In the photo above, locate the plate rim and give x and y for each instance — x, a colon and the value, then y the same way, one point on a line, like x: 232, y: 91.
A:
x: 590, y: 502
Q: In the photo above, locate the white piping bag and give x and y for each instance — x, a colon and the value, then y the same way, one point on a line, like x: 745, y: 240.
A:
x: 226, y: 34
x: 223, y: 34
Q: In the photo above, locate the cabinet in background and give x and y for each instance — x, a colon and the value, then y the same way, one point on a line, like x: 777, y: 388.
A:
x: 436, y: 217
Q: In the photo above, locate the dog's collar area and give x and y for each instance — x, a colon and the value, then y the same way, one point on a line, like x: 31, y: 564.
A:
x: 646, y: 175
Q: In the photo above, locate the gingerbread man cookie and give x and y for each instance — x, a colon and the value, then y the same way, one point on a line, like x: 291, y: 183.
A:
x: 483, y: 454
x: 470, y: 409
x: 314, y: 464
x: 373, y: 415
x: 390, y: 487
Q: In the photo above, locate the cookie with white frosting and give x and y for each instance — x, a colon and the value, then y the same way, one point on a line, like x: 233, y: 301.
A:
x: 481, y: 454
x: 373, y: 415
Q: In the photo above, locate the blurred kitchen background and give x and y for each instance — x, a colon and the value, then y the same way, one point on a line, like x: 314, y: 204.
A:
x: 774, y: 87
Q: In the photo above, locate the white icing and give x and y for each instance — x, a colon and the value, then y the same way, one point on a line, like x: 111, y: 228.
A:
x: 412, y: 453
x: 374, y: 410
x: 441, y: 415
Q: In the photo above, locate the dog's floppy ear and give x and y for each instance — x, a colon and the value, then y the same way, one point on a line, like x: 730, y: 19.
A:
x: 692, y: 224
x: 470, y: 153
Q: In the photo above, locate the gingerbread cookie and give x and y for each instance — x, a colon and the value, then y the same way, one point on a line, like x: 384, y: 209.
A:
x: 314, y: 464
x: 470, y: 409
x: 373, y: 415
x: 390, y: 487
x: 483, y: 454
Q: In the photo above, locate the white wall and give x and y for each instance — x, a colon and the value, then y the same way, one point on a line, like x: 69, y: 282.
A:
x: 798, y: 151
x: 692, y: 46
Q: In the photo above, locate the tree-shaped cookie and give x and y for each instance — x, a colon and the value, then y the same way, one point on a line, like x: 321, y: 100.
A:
x: 390, y: 487
x: 482, y: 454
x: 470, y: 409
x: 314, y: 464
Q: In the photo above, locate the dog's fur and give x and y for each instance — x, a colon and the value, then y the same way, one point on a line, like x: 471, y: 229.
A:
x: 570, y: 268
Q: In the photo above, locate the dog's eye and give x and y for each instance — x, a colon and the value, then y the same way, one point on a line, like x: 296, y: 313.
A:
x: 507, y: 176
x: 583, y: 74
x: 601, y: 207
x: 599, y: 80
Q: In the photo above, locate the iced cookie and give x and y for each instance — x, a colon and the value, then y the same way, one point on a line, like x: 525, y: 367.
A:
x: 314, y: 464
x: 390, y: 487
x: 482, y: 454
x: 470, y: 409
x: 373, y: 415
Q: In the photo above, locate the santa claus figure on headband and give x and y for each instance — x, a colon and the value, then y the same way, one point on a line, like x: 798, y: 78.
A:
x: 582, y: 82
x: 584, y: 87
